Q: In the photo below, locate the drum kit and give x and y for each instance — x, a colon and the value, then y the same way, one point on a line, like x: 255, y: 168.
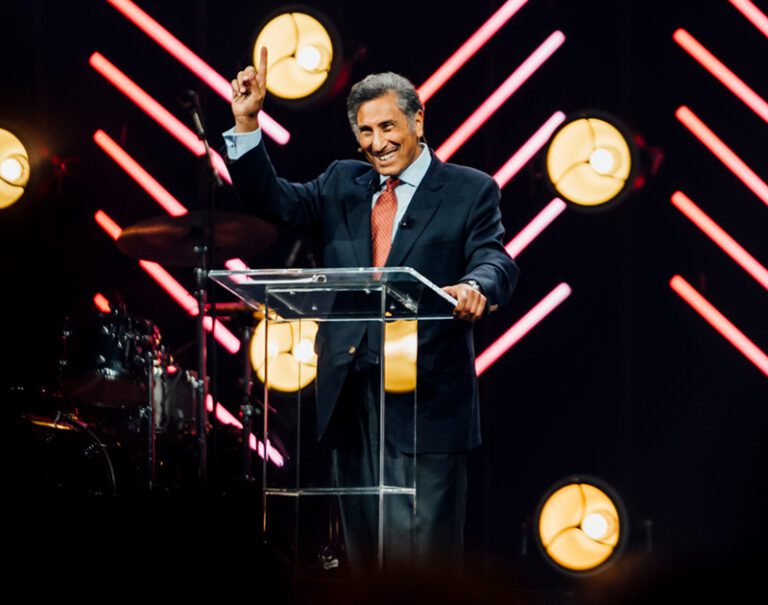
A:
x: 123, y: 408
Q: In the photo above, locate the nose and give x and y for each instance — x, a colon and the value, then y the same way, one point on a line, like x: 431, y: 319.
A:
x: 379, y: 141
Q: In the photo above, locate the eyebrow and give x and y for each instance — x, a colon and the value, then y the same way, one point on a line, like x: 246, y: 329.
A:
x: 380, y: 125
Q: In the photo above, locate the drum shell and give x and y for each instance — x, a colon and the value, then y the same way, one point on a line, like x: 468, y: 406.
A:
x: 174, y: 406
x: 105, y: 357
x: 175, y: 410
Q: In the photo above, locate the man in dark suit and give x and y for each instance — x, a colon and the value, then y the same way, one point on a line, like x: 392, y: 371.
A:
x: 404, y: 207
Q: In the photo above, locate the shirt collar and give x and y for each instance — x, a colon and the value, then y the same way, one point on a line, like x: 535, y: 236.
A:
x: 414, y: 174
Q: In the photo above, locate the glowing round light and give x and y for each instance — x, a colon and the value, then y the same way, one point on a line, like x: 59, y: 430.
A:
x: 301, y: 54
x: 291, y: 362
x: 14, y: 168
x: 11, y: 169
x: 581, y: 528
x: 596, y: 525
x: 309, y: 58
x: 590, y: 161
x: 304, y: 351
x: 602, y: 161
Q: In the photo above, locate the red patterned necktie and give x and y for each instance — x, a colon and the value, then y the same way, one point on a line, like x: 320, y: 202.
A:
x: 382, y: 220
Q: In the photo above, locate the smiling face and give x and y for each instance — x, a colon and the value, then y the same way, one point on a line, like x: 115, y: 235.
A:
x: 388, y: 141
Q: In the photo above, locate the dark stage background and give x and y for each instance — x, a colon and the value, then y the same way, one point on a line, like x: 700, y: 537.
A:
x: 623, y: 381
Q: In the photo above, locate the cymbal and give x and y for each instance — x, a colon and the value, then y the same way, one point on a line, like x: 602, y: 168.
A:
x: 171, y: 240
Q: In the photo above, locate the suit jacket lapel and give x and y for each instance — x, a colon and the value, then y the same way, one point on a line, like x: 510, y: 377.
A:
x: 358, y: 216
x: 422, y: 208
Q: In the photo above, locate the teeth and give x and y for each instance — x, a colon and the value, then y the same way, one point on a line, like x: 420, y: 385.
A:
x: 387, y: 156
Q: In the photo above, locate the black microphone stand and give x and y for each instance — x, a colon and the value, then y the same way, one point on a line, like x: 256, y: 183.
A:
x: 204, y: 249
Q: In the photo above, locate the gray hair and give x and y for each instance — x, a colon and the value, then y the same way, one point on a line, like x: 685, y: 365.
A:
x: 376, y: 85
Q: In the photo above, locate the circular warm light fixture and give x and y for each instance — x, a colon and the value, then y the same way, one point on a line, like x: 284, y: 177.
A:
x: 581, y: 525
x: 292, y: 362
x: 591, y: 160
x: 14, y: 168
x: 301, y: 56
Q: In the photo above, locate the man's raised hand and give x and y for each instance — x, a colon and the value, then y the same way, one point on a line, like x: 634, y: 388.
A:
x: 248, y: 92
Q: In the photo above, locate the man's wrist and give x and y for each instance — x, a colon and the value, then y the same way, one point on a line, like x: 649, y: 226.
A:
x: 246, y: 124
x: 474, y: 284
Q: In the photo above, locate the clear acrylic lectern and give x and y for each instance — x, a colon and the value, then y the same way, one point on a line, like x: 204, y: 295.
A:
x: 310, y: 312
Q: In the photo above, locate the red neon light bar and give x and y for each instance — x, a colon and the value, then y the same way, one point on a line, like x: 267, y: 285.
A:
x: 726, y: 77
x: 729, y: 245
x: 474, y: 43
x: 192, y: 62
x: 235, y: 264
x: 516, y: 79
x: 156, y: 111
x: 751, y: 12
x: 105, y: 222
x: 523, y: 325
x: 228, y: 340
x: 101, y: 302
x: 161, y: 195
x: 734, y: 163
x: 171, y: 286
x: 718, y: 321
x: 532, y: 230
x: 529, y: 149
x: 224, y: 416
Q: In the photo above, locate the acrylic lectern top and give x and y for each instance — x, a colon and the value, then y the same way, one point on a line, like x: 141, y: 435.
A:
x: 364, y: 293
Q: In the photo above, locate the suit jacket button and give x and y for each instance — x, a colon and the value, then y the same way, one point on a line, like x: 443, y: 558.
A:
x: 352, y: 350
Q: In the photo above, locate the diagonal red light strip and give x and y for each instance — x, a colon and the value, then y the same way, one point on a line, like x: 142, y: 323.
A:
x: 224, y: 416
x: 523, y: 325
x: 729, y: 245
x: 161, y: 195
x: 532, y: 230
x: 726, y: 77
x: 156, y: 111
x: 515, y: 80
x: 192, y: 62
x: 101, y: 302
x: 235, y: 264
x: 105, y: 222
x: 188, y: 302
x: 751, y: 12
x: 474, y: 43
x: 529, y: 149
x: 718, y: 321
x: 171, y: 286
x: 734, y: 163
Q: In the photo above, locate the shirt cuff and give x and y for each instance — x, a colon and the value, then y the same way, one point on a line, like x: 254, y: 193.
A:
x: 240, y: 143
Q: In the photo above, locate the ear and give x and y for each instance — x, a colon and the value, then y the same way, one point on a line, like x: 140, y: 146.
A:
x: 418, y: 121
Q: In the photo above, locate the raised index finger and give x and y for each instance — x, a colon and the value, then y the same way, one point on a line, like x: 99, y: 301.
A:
x: 262, y: 67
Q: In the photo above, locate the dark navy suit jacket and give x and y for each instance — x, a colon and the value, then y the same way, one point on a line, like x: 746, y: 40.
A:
x: 454, y: 233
